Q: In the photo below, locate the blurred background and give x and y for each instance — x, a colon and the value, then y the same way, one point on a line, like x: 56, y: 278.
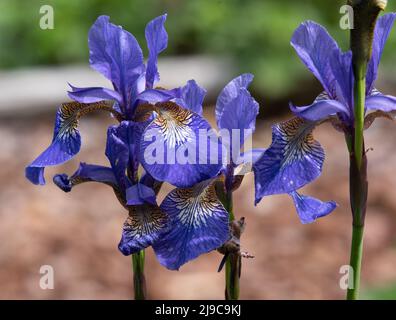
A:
x: 211, y: 41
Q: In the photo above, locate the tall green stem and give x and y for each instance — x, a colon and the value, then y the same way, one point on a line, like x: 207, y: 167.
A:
x: 358, y: 197
x: 358, y: 183
x: 139, y: 281
x: 365, y: 15
x: 355, y: 262
x: 233, y: 263
x: 360, y: 97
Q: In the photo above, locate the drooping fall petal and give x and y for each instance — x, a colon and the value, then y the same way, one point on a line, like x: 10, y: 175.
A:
x: 293, y: 160
x: 198, y: 224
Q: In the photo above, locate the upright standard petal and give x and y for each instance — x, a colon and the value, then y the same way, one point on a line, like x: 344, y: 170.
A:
x: 66, y: 141
x: 381, y: 32
x: 180, y: 147
x: 198, y: 224
x: 116, y: 54
x: 238, y: 122
x: 157, y: 41
x: 143, y: 227
x: 309, y: 209
x: 314, y: 46
x: 86, y: 173
x: 230, y: 92
x: 192, y: 97
x: 293, y: 159
x: 341, y: 66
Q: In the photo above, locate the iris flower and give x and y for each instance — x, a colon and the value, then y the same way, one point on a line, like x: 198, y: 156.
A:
x: 199, y: 222
x: 116, y: 54
x: 190, y: 221
x: 295, y: 158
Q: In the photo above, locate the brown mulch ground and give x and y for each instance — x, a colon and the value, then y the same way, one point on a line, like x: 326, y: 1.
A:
x: 78, y: 233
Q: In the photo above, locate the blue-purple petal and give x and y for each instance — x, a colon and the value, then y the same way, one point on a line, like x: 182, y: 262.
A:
x: 35, y: 175
x: 62, y: 181
x: 309, y: 209
x: 66, y: 143
x: 154, y: 96
x: 86, y: 173
x: 381, y: 102
x: 192, y: 97
x: 238, y: 121
x: 150, y: 182
x: 314, y: 46
x: 320, y: 109
x: 293, y: 160
x: 116, y: 54
x: 157, y: 41
x: 381, y: 32
x: 230, y: 92
x: 179, y: 147
x: 143, y: 227
x: 118, y: 151
x: 198, y: 224
x: 93, y: 94
x: 341, y: 66
x: 140, y: 194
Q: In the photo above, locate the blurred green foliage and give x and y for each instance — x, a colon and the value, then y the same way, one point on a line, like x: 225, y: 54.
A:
x: 256, y: 33
x: 384, y: 293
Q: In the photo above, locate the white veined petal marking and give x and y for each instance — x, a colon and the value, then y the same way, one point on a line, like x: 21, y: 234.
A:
x: 174, y: 122
x: 196, y: 205
x: 144, y: 220
x: 297, y: 140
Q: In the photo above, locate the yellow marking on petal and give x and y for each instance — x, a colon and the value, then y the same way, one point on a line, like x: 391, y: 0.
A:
x: 196, y: 204
x: 298, y: 138
x: 174, y: 121
x: 144, y: 111
x: 144, y: 219
x: 70, y: 113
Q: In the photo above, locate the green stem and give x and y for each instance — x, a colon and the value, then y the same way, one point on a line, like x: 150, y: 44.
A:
x: 229, y: 206
x: 355, y: 262
x: 233, y: 263
x: 365, y: 15
x: 360, y: 97
x: 139, y: 281
x: 232, y: 268
x: 358, y: 197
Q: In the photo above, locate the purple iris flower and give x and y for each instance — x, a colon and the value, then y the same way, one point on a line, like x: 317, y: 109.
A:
x: 175, y: 114
x: 146, y: 221
x: 174, y: 119
x: 189, y: 222
x: 295, y: 158
x: 198, y: 221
